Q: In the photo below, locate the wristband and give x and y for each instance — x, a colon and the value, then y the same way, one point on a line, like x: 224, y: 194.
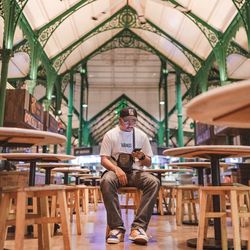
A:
x: 142, y: 158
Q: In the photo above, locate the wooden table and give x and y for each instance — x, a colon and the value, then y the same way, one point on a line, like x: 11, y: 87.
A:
x: 161, y: 171
x: 199, y: 166
x: 228, y: 105
x: 68, y: 170
x: 20, y: 137
x: 49, y: 166
x: 214, y: 153
x: 33, y: 158
x: 93, y: 178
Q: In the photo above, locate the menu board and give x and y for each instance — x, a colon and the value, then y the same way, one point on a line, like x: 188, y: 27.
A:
x: 203, y: 133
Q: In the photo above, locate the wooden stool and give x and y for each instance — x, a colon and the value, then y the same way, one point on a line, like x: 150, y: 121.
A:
x: 88, y: 194
x: 234, y: 192
x: 42, y: 217
x: 130, y: 192
x: 186, y: 195
x: 73, y: 204
x: 166, y: 196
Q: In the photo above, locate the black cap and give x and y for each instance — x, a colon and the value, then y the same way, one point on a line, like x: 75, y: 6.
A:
x: 128, y: 111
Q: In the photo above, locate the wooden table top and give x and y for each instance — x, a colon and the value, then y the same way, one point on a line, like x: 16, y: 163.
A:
x: 35, y: 156
x: 195, y: 164
x: 50, y: 165
x: 228, y: 105
x: 224, y: 151
x: 71, y: 170
x: 167, y: 170
x: 28, y: 137
x: 82, y: 175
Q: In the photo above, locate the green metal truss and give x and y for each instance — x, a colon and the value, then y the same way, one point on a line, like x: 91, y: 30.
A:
x: 126, y: 18
x: 45, y: 32
x: 137, y: 43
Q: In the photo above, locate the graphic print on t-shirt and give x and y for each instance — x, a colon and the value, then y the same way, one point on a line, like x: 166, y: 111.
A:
x: 126, y: 145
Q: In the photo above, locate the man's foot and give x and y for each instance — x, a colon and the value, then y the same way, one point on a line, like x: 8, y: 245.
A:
x: 115, y: 236
x: 139, y: 236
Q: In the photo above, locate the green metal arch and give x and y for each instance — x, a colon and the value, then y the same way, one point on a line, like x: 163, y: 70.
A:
x: 113, y: 23
x: 137, y: 38
x: 45, y: 32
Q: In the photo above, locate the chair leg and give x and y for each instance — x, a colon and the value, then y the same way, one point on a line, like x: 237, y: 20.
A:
x: 4, y: 208
x: 202, y: 220
x: 45, y: 227
x: 179, y: 208
x: 223, y: 222
x: 235, y: 220
x: 64, y: 219
x: 20, y: 220
x: 77, y: 211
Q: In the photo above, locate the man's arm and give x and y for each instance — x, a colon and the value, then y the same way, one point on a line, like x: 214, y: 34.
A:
x: 109, y: 165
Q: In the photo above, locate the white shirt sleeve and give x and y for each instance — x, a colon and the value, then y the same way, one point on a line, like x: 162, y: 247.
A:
x: 106, y: 146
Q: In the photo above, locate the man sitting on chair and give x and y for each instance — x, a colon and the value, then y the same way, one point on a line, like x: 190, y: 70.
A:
x: 125, y: 150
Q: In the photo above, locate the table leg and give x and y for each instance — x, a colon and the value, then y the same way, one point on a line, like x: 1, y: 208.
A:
x: 47, y: 176
x: 32, y: 173
x: 200, y: 176
x: 77, y: 180
x: 66, y: 178
x: 215, y: 172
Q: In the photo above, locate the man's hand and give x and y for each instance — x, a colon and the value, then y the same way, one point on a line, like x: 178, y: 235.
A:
x: 121, y: 176
x: 138, y: 154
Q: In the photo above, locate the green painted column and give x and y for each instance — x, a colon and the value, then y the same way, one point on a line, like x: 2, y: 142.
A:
x: 165, y: 76
x: 80, y: 130
x: 220, y: 54
x: 70, y: 114
x: 58, y: 90
x: 6, y: 54
x: 160, y: 134
x: 179, y: 109
x: 10, y: 21
x: 36, y: 52
x: 86, y: 133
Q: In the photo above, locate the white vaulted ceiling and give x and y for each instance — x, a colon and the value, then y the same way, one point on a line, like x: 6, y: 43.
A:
x: 130, y: 71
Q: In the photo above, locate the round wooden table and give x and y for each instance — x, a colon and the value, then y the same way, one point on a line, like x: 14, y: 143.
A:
x: 20, y: 137
x: 161, y: 171
x: 198, y: 165
x: 214, y: 153
x: 33, y: 158
x: 225, y: 106
x: 49, y: 166
x: 67, y: 171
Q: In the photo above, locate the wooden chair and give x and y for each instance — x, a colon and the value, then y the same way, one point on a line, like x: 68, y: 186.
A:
x: 42, y: 218
x: 206, y: 212
x: 73, y: 205
x: 88, y: 195
x: 187, y: 195
x: 130, y: 193
x: 167, y: 197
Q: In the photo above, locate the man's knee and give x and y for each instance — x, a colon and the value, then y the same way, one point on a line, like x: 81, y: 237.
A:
x: 108, y: 180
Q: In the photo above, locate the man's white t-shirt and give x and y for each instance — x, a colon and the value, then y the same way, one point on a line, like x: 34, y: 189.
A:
x: 116, y: 141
